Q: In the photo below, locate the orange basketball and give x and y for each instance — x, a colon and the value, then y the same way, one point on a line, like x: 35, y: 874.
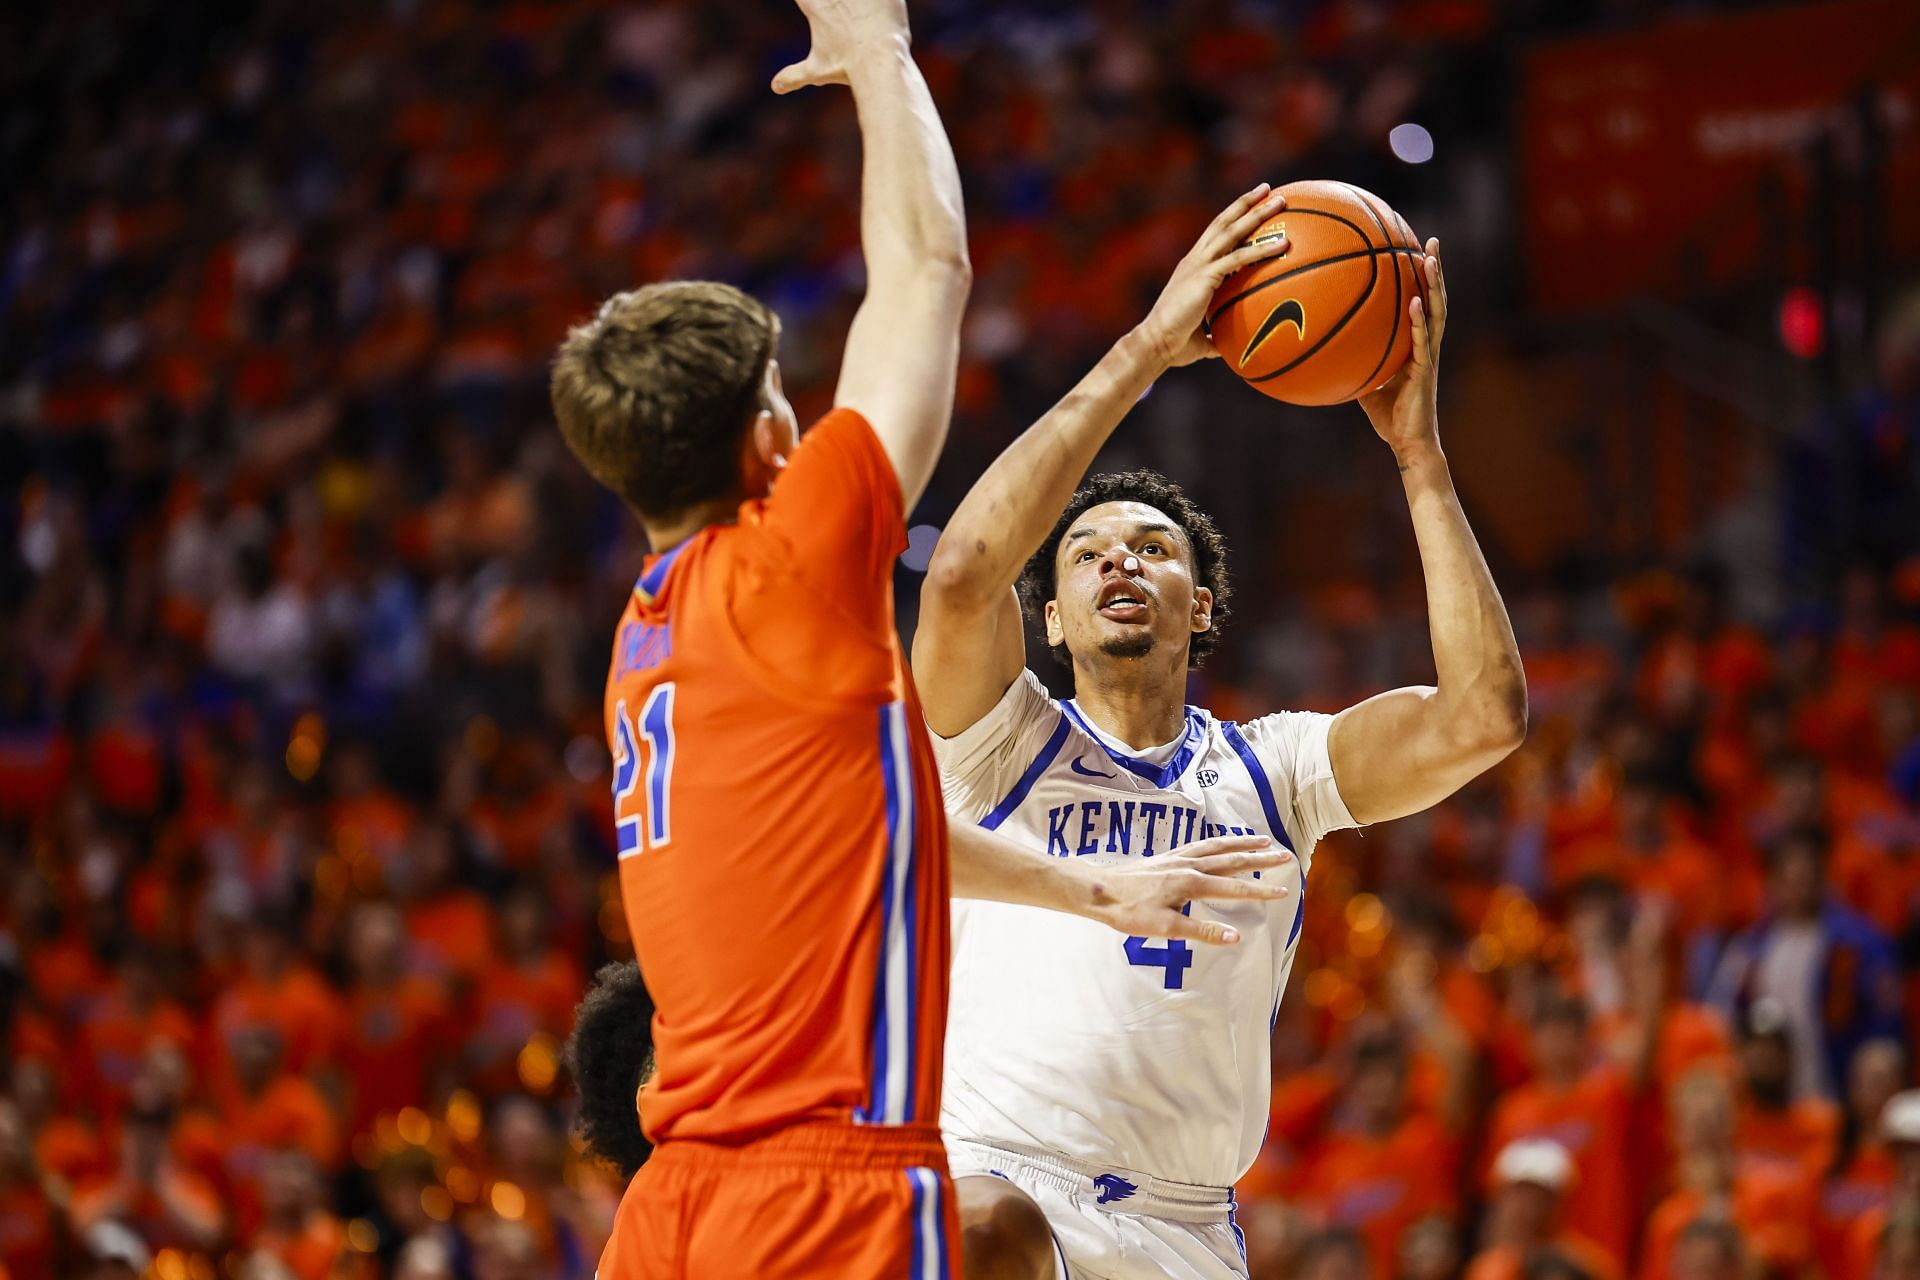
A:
x: 1327, y: 320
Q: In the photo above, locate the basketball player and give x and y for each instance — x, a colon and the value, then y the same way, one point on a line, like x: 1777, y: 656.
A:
x: 1114, y: 1090
x: 783, y: 851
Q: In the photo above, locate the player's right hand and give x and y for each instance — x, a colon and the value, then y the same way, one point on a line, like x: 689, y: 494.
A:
x: 841, y: 30
x: 1175, y: 330
x: 1144, y: 898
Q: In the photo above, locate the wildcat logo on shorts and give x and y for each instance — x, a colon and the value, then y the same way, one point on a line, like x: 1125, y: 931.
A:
x: 1111, y: 1187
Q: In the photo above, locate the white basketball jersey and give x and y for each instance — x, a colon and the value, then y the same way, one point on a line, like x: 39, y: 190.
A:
x: 1063, y: 1035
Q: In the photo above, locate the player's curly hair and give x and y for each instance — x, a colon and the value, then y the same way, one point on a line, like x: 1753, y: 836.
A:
x: 655, y: 392
x: 1040, y: 579
x: 609, y: 1053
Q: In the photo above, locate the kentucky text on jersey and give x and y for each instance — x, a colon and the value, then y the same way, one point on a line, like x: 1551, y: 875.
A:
x: 1110, y: 826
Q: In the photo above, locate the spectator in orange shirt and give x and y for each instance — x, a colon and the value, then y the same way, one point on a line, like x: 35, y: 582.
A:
x: 1772, y: 1204
x: 366, y: 818
x: 1561, y: 664
x: 1773, y: 1125
x: 149, y: 1189
x: 1653, y: 854
x: 62, y: 961
x: 66, y: 1146
x: 1533, y: 1182
x: 1385, y: 1166
x: 1704, y: 650
x: 449, y: 924
x: 199, y: 1140
x: 1863, y: 1170
x: 297, y: 1230
x: 529, y: 988
x: 272, y: 989
x: 395, y: 1022
x: 124, y: 1025
x: 271, y: 1110
x: 1582, y: 1101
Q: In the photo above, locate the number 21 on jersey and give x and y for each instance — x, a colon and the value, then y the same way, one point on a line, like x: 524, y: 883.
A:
x: 642, y: 814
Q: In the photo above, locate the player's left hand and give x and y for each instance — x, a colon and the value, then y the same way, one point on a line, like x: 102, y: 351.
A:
x: 1405, y: 412
x: 1144, y: 899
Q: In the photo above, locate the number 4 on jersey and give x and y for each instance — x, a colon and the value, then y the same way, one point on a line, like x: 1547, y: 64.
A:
x: 1175, y: 958
x: 632, y: 806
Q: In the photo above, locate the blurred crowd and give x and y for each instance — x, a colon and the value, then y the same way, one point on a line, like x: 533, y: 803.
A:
x: 1642, y: 1002
x: 304, y: 613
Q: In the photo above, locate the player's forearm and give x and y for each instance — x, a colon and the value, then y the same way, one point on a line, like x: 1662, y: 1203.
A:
x: 1482, y: 690
x: 995, y: 869
x: 912, y: 219
x: 1010, y: 510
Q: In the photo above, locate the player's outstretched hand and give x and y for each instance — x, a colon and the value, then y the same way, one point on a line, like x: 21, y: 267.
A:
x: 1175, y: 329
x: 1406, y: 411
x: 1145, y: 898
x: 842, y: 31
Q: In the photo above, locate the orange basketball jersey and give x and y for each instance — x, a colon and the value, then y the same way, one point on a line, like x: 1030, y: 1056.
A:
x: 783, y: 850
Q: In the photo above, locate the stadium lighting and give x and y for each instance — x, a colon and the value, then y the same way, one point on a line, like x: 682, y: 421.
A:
x: 1411, y: 143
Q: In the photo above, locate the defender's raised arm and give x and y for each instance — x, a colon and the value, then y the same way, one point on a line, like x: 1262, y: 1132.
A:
x: 898, y: 369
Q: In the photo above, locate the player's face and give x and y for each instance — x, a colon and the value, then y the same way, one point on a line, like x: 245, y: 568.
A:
x: 1124, y: 586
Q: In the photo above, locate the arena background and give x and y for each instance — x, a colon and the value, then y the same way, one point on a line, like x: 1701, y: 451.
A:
x: 304, y: 847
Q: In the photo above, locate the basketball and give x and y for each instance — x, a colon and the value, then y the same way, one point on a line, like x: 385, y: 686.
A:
x: 1327, y: 321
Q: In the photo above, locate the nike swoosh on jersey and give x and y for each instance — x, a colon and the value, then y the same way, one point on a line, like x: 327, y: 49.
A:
x: 1085, y: 772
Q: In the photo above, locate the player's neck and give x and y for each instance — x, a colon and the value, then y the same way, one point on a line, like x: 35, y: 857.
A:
x: 671, y: 532
x: 1142, y: 713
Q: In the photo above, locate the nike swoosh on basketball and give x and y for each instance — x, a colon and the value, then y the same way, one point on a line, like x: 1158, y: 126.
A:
x: 1085, y: 772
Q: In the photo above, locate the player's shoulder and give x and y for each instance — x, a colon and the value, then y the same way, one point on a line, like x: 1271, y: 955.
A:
x: 1276, y: 738
x: 1024, y: 702
x: 996, y: 760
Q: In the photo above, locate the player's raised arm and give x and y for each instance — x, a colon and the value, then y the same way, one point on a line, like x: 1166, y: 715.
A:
x: 969, y: 645
x: 898, y: 369
x: 1402, y: 751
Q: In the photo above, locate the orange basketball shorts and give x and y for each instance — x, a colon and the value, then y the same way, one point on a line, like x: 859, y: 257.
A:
x: 815, y: 1200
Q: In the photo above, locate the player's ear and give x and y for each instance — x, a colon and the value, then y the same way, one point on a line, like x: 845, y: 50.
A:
x: 1056, y: 635
x: 768, y: 447
x: 1202, y: 609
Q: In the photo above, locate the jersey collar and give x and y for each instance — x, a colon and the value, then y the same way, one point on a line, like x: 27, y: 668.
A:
x: 1159, y: 775
x: 654, y: 577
